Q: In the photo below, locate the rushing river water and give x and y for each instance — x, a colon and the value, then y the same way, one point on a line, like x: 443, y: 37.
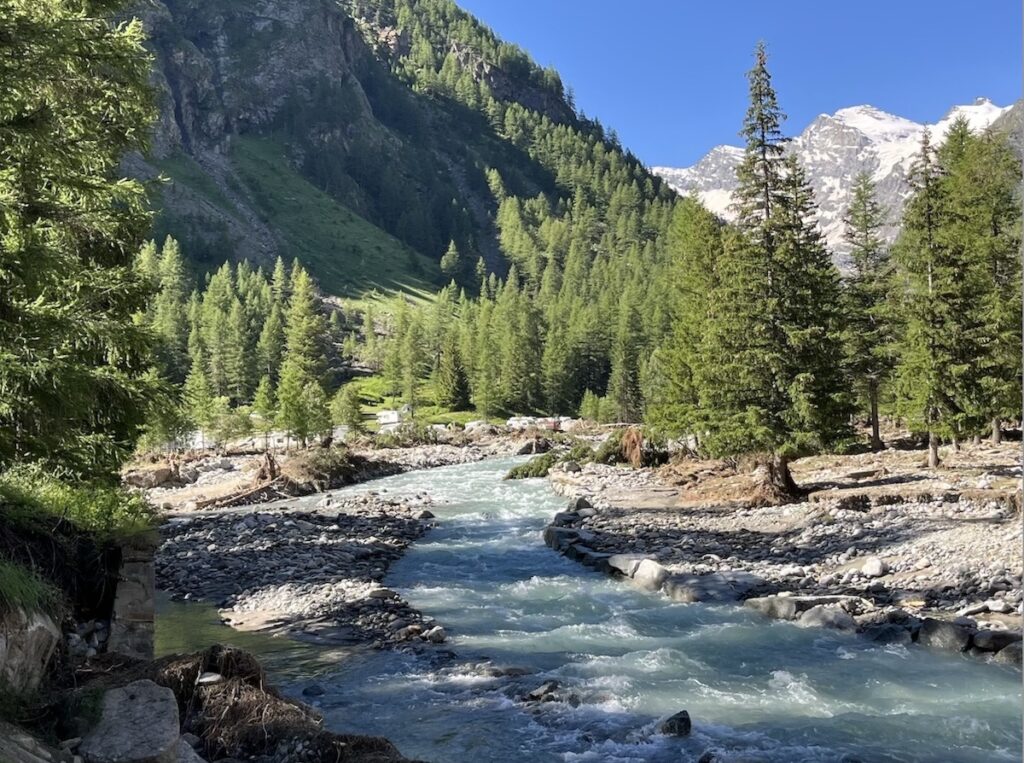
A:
x: 757, y: 690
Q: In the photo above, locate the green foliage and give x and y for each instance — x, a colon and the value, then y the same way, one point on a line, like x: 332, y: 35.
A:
x: 538, y: 466
x: 766, y: 370
x: 22, y: 589
x: 29, y: 495
x: 74, y: 99
x: 452, y: 383
x: 580, y: 452
x: 347, y: 409
x: 408, y: 434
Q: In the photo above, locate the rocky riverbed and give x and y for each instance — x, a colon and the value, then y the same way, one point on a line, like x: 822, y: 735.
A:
x: 312, y: 574
x: 940, y: 548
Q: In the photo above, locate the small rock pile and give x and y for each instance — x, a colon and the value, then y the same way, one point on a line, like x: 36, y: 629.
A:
x: 313, y: 574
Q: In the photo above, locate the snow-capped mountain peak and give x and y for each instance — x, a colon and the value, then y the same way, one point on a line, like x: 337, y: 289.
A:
x: 834, y: 148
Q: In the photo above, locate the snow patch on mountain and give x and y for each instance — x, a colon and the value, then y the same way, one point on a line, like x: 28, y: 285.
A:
x: 834, y: 149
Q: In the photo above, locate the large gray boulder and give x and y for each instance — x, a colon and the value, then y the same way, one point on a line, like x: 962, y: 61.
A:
x: 827, y: 616
x: 714, y: 586
x: 625, y: 563
x: 138, y: 724
x: 650, y: 575
x: 994, y: 641
x: 777, y: 607
x: 1009, y: 654
x: 27, y: 641
x: 940, y: 634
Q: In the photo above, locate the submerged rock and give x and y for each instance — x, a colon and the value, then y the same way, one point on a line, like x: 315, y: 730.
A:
x: 939, y: 634
x: 677, y: 725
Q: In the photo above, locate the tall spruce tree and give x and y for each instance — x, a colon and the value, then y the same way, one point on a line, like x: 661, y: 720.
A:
x: 868, y: 334
x: 624, y: 385
x: 939, y: 287
x: 770, y: 372
x: 74, y: 99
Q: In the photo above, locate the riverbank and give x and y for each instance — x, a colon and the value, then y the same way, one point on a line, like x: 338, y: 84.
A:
x: 882, y: 545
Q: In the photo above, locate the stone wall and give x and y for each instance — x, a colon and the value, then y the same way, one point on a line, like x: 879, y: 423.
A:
x: 132, y: 621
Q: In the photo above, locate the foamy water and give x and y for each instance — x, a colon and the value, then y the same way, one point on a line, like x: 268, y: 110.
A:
x: 757, y: 690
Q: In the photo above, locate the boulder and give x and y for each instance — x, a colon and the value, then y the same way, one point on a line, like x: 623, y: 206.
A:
x: 1009, y: 654
x: 873, y: 567
x: 650, y: 575
x: 888, y: 633
x: 677, y: 725
x: 138, y: 724
x: 625, y: 563
x: 149, y: 478
x: 571, y: 467
x: 435, y: 635
x: 940, y: 634
x: 559, y: 537
x: 827, y: 616
x: 565, y: 518
x: 994, y: 641
x: 27, y: 641
x: 581, y: 503
x: 778, y: 607
x: 715, y: 586
x: 186, y: 754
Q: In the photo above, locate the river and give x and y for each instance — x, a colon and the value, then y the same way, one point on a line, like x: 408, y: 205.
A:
x: 757, y: 690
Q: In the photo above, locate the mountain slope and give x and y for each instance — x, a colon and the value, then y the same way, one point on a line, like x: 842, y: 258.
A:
x: 361, y: 136
x: 834, y: 148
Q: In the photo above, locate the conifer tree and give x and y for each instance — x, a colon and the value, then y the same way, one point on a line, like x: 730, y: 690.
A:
x: 301, y: 403
x: 451, y: 262
x: 75, y: 386
x: 940, y: 286
x: 347, y: 409
x: 170, y: 321
x: 624, y: 385
x: 265, y: 408
x: 868, y: 334
x: 452, y: 383
x: 200, y: 402
x: 770, y: 377
x: 270, y: 346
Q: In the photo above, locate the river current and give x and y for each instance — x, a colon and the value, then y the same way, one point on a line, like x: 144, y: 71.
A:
x: 757, y: 690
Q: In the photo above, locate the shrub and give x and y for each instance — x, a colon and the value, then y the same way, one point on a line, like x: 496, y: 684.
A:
x: 580, y: 452
x: 407, y: 435
x: 23, y: 589
x: 538, y: 466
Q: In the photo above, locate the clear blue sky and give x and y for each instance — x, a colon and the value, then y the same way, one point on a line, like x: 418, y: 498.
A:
x: 668, y: 74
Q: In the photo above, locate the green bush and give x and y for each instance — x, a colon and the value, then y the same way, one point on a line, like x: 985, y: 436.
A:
x: 538, y: 466
x: 28, y: 497
x: 407, y: 435
x: 580, y: 452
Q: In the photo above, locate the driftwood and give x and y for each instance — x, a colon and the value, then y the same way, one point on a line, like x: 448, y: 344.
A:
x: 243, y: 496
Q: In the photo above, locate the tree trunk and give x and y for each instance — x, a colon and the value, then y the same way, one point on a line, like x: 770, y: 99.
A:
x: 997, y: 432
x: 876, y: 440
x: 933, y: 450
x: 780, y: 476
x: 956, y: 445
x: 976, y: 440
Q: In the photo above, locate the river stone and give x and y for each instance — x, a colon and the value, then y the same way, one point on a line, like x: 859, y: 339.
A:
x: 778, y: 607
x: 888, y: 633
x: 825, y: 616
x: 625, y: 563
x: 565, y: 518
x: 1009, y: 654
x: 994, y: 641
x: 138, y: 724
x: 544, y: 690
x: 677, y: 725
x: 715, y: 586
x: 939, y: 634
x: 186, y: 754
x: 581, y: 503
x: 435, y: 635
x: 873, y: 567
x: 650, y: 575
x: 559, y: 537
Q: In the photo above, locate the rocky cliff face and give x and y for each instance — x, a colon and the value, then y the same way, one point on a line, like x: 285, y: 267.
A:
x: 834, y: 148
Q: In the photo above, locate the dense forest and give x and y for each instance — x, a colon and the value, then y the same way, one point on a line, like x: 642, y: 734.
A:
x: 620, y: 301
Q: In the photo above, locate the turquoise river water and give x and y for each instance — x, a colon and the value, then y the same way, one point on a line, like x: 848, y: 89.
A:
x: 757, y: 690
